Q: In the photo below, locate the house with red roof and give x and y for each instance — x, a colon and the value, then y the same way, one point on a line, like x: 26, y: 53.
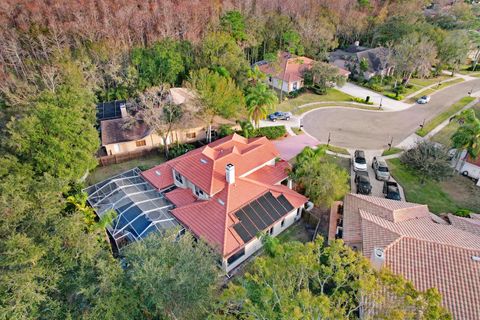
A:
x: 228, y: 192
x: 286, y: 74
x: 427, y: 250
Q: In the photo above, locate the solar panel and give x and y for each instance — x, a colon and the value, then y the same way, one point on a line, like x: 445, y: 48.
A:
x: 275, y: 204
x: 242, y: 232
x: 257, y: 220
x: 285, y: 203
x: 268, y: 207
x: 262, y: 213
x: 246, y: 222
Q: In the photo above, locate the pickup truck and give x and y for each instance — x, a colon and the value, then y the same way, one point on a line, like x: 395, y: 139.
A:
x: 391, y: 190
x: 279, y: 115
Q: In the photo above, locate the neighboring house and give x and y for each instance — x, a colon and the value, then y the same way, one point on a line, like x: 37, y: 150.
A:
x: 350, y: 58
x: 117, y: 138
x: 286, y: 74
x: 424, y: 248
x: 468, y: 167
x: 226, y: 193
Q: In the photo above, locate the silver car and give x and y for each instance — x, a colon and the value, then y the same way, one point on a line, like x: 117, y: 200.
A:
x: 381, y: 169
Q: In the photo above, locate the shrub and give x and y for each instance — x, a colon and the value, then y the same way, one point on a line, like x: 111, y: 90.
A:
x: 360, y: 100
x: 463, y: 213
x: 394, y: 96
x: 319, y: 90
x: 225, y: 130
x: 180, y: 149
x: 274, y: 132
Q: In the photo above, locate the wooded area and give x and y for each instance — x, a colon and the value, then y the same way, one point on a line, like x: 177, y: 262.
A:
x: 59, y: 58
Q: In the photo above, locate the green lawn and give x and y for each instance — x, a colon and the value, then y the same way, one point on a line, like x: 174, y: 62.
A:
x: 299, y: 111
x: 432, y: 124
x: 297, y: 130
x: 295, y: 232
x: 428, y: 81
x: 103, y: 173
x: 394, y: 150
x: 454, y: 193
x: 331, y: 95
x: 335, y: 149
x: 426, y: 92
x: 444, y: 135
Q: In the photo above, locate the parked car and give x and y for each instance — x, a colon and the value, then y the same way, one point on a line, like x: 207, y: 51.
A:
x: 362, y: 181
x: 380, y: 168
x: 423, y: 100
x: 359, y: 161
x: 279, y: 115
x: 391, y: 190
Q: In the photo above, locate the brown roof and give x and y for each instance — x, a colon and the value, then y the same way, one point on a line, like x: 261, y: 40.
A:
x: 289, y: 67
x: 426, y: 250
x: 475, y: 162
x: 113, y: 131
x: 214, y: 219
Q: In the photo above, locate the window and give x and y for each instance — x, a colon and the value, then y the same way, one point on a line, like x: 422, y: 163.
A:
x: 269, y: 79
x: 191, y: 135
x: 283, y: 223
x: 236, y: 256
x: 270, y: 231
x: 295, y: 85
x: 299, y: 210
x: 140, y: 143
x: 198, y: 191
x: 178, y: 177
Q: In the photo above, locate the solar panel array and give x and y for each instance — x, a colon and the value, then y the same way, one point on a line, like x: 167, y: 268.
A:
x: 139, y: 207
x: 109, y: 110
x: 259, y: 214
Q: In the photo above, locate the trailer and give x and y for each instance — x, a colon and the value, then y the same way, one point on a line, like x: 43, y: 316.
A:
x: 467, y: 166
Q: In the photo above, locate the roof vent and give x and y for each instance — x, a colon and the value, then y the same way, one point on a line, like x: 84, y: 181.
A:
x: 221, y: 202
x: 378, y: 258
x: 203, y: 161
x: 476, y: 258
x: 158, y: 173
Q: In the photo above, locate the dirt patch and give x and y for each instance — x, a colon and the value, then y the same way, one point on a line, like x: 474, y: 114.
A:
x: 463, y: 191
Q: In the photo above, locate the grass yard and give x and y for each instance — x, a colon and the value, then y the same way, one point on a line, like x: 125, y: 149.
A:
x: 429, y: 81
x: 432, y: 124
x: 393, y: 150
x: 295, y: 232
x: 444, y: 135
x: 454, y: 193
x: 335, y: 149
x: 103, y: 173
x: 340, y: 161
x: 300, y: 111
x: 332, y: 95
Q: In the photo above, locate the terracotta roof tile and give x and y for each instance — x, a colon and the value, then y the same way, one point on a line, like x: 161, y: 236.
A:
x: 290, y: 68
x: 465, y: 224
x: 181, y: 197
x: 160, y: 176
x: 271, y: 174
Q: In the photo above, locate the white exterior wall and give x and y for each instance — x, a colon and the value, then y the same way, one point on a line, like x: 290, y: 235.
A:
x: 255, y: 244
x: 284, y: 85
x: 187, y: 184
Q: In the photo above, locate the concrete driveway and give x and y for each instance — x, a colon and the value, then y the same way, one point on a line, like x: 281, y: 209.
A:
x: 375, y: 97
x: 365, y: 129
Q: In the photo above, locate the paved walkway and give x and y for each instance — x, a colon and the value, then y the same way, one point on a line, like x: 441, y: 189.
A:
x: 293, y: 145
x: 375, y: 97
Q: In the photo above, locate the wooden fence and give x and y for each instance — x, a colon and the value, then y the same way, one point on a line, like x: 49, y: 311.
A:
x: 127, y: 156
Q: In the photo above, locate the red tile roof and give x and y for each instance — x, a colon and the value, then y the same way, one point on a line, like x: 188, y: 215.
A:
x: 475, y: 162
x: 181, y: 197
x: 256, y: 173
x: 425, y: 249
x: 289, y: 67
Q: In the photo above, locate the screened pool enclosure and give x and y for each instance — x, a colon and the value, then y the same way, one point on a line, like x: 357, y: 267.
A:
x: 140, y: 208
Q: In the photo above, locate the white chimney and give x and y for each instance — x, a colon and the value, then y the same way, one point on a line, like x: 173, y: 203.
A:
x: 357, y: 43
x: 378, y: 258
x: 123, y: 110
x: 230, y: 173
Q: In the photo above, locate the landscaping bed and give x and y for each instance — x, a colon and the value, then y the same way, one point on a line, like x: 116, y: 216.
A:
x: 444, y: 135
x: 432, y: 124
x: 335, y: 149
x: 450, y: 195
x: 388, y: 152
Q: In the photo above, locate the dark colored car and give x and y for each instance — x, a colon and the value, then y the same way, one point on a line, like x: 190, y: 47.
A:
x: 391, y: 190
x: 279, y: 115
x: 362, y: 181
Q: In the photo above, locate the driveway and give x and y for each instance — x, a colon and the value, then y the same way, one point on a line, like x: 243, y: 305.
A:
x: 355, y: 128
x: 361, y: 92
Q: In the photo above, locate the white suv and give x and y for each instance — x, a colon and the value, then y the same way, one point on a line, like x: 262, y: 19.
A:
x: 359, y: 161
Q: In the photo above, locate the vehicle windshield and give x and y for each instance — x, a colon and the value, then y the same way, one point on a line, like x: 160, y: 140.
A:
x: 424, y: 97
x: 360, y: 160
x: 383, y: 169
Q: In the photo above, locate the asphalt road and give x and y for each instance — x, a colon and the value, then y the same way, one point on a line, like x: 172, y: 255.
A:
x: 355, y: 128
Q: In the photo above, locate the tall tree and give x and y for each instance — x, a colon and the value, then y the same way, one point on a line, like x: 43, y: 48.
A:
x: 259, y: 100
x: 322, y: 75
x: 453, y: 50
x: 467, y: 136
x: 313, y: 281
x: 217, y: 95
x: 170, y: 277
x: 414, y: 54
x: 322, y: 181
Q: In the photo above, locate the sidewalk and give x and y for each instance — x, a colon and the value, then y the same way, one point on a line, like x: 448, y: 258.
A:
x: 375, y: 97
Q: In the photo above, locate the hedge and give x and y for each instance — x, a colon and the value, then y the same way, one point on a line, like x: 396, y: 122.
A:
x: 273, y: 133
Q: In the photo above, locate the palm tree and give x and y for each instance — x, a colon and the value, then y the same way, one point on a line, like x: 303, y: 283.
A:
x: 467, y: 136
x: 259, y: 100
x: 255, y: 75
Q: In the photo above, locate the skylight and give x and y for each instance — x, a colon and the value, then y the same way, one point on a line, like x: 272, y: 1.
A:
x: 203, y: 161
